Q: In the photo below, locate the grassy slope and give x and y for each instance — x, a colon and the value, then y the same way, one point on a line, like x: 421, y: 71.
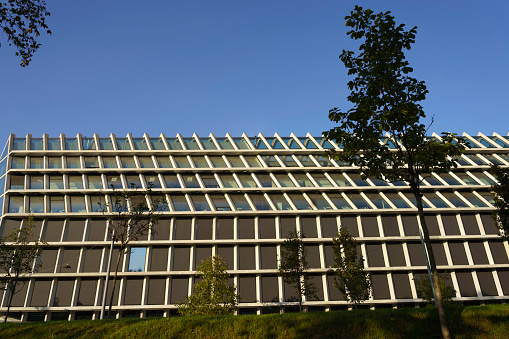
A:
x: 490, y: 321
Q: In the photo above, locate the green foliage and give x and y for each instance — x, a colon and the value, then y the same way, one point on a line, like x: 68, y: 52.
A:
x: 350, y: 278
x: 293, y: 267
x: 18, y: 254
x: 500, y: 192
x: 425, y: 292
x: 213, y: 294
x: 20, y: 20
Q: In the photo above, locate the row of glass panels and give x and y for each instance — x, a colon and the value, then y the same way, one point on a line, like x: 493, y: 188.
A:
x: 229, y: 161
x: 230, y: 180
x: 260, y: 202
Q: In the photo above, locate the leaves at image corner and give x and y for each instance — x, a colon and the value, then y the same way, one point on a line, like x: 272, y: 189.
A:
x: 500, y: 192
x: 22, y: 22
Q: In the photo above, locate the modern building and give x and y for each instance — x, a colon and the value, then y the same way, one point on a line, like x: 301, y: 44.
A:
x: 239, y: 197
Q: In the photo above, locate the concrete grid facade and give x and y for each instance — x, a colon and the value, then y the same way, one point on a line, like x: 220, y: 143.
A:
x: 239, y: 197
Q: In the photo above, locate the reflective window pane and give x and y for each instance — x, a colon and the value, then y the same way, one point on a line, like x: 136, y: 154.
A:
x: 358, y: 201
x: 209, y: 181
x: 152, y: 181
x: 179, y: 203
x: 357, y: 179
x: 123, y: 144
x: 174, y: 143
x: 483, y: 141
x: 217, y: 161
x: 449, y: 179
x: 253, y: 161
x: 487, y: 196
x: 461, y: 161
x: 200, y: 203
x: 146, y: 162
x: 17, y: 182
x: 492, y: 159
x: 133, y: 181
x: 258, y: 143
x: 340, y: 180
x: 114, y: 181
x: 483, y: 178
x: 140, y: 143
x: 57, y: 204
x: 36, y: 144
x: 241, y: 143
x: 75, y: 182
x: 16, y: 204
x: 182, y: 162
x: 190, y: 181
x: 18, y: 163
x: 321, y: 180
x: 474, y: 200
x: 436, y: 200
x: 36, y: 182
x: 266, y: 180
x: 467, y: 179
x: 306, y: 161
x: 235, y: 161
x: 339, y: 201
x: 454, y: 199
x: 274, y: 142
x: 431, y: 180
x: 291, y: 143
x: 308, y: 143
x: 91, y: 162
x: 397, y: 200
x: 54, y: 162
x: 128, y: 162
x: 78, y: 204
x: 208, y: 143
x: 323, y: 161
x: 110, y: 162
x: 71, y: 144
x: 171, y: 181
x: 54, y: 144
x: 260, y: 202
x: 94, y: 182
x: 499, y: 141
x: 200, y: 162
x: 191, y: 143
x: 324, y: 143
x: 19, y: 144
x: 378, y: 182
x: 475, y: 159
x: 319, y: 201
x: 228, y: 181
x: 164, y: 162
x: 303, y: 180
x: 73, y: 162
x: 36, y: 204
x: 412, y: 199
x: 285, y: 180
x: 97, y: 203
x: 299, y: 201
x: 271, y: 161
x: 106, y: 144
x: 89, y: 144
x: 56, y: 182
x: 157, y: 144
x: 225, y: 143
x: 377, y: 200
x: 280, y: 202
x: 36, y: 163
x: 137, y: 259
x: 220, y: 202
x: 247, y: 180
x: 240, y: 202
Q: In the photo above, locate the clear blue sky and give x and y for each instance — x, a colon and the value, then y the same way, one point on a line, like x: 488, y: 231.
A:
x: 242, y: 66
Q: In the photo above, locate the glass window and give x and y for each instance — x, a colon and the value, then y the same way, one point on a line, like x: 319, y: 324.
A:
x: 487, y: 196
x: 36, y: 182
x: 137, y: 259
x: 431, y: 180
x: 288, y: 160
x: 106, y: 144
x: 94, y: 182
x: 397, y: 200
x: 436, y: 200
x: 323, y: 161
x: 190, y: 181
x: 17, y: 182
x: 208, y: 143
x: 54, y: 144
x: 146, y: 162
x: 378, y: 201
x: 303, y: 180
x: 324, y: 143
x: 200, y: 162
x: 253, y: 161
x: 36, y: 163
x: 16, y: 204
x: 157, y: 144
x: 271, y: 161
x: 475, y: 159
x: 133, y: 181
x: 152, y: 181
x: 319, y: 201
x: 2, y: 187
x: 159, y: 202
x: 412, y: 199
x: 179, y: 203
x: 358, y: 201
x: 75, y: 182
x: 300, y: 202
x: 71, y: 144
x: 56, y: 182
x: 258, y: 143
x: 461, y: 161
x: 174, y: 143
x: 357, y: 179
x: 191, y: 143
x: 228, y: 181
x: 274, y: 142
x: 241, y: 143
x: 36, y: 204
x: 182, y: 162
x: 339, y: 201
x: 78, y: 204
x: 225, y: 143
x: 308, y: 143
x: 399, y: 183
x: 483, y: 178
x: 454, y: 199
x: 19, y: 144
x: 73, y: 162
x: 171, y: 181
x: 260, y: 202
x: 128, y: 162
x: 285, y: 180
x: 164, y: 162
x: 266, y: 180
x: 209, y: 181
x: 473, y: 199
x: 235, y: 161
x: 468, y: 143
x: 483, y: 142
x: 291, y: 143
x: 467, y: 179
x: 200, y: 203
x: 18, y: 163
x: 89, y: 144
x: 504, y: 156
x: 110, y: 162
x: 140, y: 144
x: 306, y: 161
x: 114, y: 181
x: 91, y: 162
x: 280, y: 202
x: 379, y: 182
x: 321, y: 180
x: 54, y: 162
x: 247, y: 180
x: 449, y: 179
x: 36, y: 144
x: 218, y: 161
x: 388, y: 142
x: 57, y: 204
x: 97, y: 203
x: 240, y: 202
x: 123, y: 144
x: 492, y: 159
x: 220, y: 202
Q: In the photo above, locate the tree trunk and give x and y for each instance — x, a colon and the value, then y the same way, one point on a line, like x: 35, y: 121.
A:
x: 433, y: 266
x: 114, y: 282
x: 11, y: 290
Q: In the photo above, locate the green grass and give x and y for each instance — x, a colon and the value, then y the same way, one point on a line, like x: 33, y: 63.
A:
x: 490, y: 321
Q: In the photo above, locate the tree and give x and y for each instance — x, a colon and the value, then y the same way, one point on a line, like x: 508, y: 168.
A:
x: 386, y: 103
x: 129, y: 218
x: 21, y: 21
x: 350, y: 278
x: 425, y: 292
x: 17, y: 255
x: 293, y: 267
x: 213, y: 294
x: 500, y: 192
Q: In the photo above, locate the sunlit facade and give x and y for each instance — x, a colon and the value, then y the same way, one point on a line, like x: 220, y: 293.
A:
x: 239, y: 197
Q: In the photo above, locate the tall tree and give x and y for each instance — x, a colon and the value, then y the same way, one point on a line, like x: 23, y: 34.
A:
x: 386, y: 104
x: 293, y: 267
x: 350, y: 277
x: 130, y: 217
x: 21, y: 21
x: 500, y: 192
x: 213, y: 294
x: 425, y: 292
x: 18, y: 254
